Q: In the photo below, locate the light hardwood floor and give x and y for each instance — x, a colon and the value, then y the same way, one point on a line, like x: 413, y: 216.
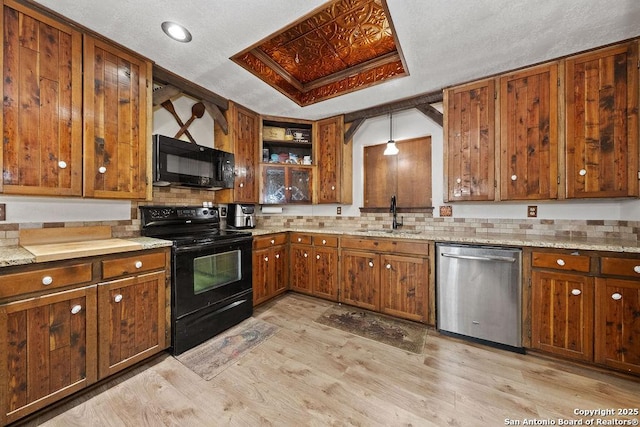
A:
x: 311, y: 374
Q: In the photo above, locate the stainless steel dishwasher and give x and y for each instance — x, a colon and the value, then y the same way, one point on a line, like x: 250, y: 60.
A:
x: 479, y: 293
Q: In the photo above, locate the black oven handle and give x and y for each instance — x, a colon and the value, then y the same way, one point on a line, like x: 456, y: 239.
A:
x: 239, y: 243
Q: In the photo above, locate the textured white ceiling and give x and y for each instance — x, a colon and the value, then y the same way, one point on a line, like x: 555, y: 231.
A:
x: 444, y: 42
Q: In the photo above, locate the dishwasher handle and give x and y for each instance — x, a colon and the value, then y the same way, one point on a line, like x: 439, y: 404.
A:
x: 480, y: 258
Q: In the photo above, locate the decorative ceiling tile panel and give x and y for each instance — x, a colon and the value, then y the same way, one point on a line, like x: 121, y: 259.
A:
x: 344, y: 46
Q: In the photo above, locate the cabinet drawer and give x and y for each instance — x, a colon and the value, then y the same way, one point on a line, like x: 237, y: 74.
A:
x: 560, y: 261
x: 328, y: 241
x: 270, y: 240
x: 301, y: 238
x: 383, y: 245
x: 132, y: 265
x: 46, y: 278
x: 629, y: 267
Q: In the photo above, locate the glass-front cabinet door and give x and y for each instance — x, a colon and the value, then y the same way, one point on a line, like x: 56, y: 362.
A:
x: 286, y: 184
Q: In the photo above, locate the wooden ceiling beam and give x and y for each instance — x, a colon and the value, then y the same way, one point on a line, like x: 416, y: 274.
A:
x: 392, y: 107
x: 166, y: 77
x: 432, y: 113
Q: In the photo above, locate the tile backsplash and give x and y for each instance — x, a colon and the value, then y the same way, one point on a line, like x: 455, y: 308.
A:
x: 606, y: 229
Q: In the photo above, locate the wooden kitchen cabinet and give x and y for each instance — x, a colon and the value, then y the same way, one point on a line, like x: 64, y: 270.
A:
x: 117, y: 103
x: 562, y: 309
x: 42, y: 109
x: 314, y: 265
x: 49, y: 350
x: 334, y: 161
x: 63, y: 326
x: 301, y: 254
x: 529, y: 134
x: 403, y: 285
x: 562, y: 303
x: 243, y: 140
x: 601, y: 99
x: 469, y: 142
x: 131, y: 320
x: 390, y: 276
x: 617, y: 323
x: 270, y: 266
x: 286, y: 184
x: 360, y: 279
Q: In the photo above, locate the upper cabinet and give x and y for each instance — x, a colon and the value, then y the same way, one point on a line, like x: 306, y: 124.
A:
x: 116, y: 86
x: 63, y: 131
x: 469, y: 142
x: 529, y: 134
x: 565, y: 129
x: 243, y: 139
x: 602, y: 123
x: 334, y: 160
x: 305, y: 161
x: 42, y: 109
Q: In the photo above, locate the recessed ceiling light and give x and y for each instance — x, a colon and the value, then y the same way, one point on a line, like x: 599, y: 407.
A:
x: 176, y: 31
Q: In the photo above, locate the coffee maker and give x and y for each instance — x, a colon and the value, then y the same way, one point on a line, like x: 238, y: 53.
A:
x: 240, y: 216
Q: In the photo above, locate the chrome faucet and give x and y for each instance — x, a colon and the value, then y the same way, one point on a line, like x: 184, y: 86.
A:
x: 395, y: 224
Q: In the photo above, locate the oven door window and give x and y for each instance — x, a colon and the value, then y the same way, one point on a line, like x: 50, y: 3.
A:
x: 216, y: 270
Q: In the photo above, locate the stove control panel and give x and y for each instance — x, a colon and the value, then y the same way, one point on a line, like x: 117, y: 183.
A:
x: 154, y: 214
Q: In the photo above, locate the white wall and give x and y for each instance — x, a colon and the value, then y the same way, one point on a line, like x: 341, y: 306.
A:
x: 411, y: 124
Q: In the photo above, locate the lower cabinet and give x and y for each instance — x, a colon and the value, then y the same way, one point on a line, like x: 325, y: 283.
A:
x: 130, y: 320
x: 49, y: 351
x: 586, y: 306
x: 68, y: 325
x: 270, y: 266
x: 314, y: 265
x: 563, y: 314
x: 360, y: 284
x: 618, y: 324
x: 391, y: 276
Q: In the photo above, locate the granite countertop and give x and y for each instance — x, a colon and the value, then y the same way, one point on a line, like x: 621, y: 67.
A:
x: 517, y: 240
x: 17, y: 255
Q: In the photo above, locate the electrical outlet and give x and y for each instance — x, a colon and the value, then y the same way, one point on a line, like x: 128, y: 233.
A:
x: 3, y: 212
x: 532, y: 211
x: 223, y: 211
x: 339, y: 210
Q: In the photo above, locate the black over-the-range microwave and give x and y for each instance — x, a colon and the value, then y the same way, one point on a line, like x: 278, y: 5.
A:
x: 181, y: 163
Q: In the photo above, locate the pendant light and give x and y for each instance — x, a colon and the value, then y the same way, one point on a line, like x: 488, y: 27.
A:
x: 391, y: 149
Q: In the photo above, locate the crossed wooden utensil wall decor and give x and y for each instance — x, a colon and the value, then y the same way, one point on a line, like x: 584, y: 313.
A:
x: 197, y: 111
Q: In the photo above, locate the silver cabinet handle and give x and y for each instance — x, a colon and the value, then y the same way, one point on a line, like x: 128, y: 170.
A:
x: 118, y: 298
x: 480, y: 258
x: 76, y: 309
x: 324, y: 242
x: 370, y: 263
x: 582, y: 172
x: 102, y: 169
x: 266, y: 259
x: 241, y: 185
x: 637, y: 269
x: 62, y: 164
x: 514, y: 177
x: 277, y: 256
x: 388, y: 266
x: 560, y: 262
x: 305, y: 255
x: 138, y: 264
x: 273, y: 241
x: 576, y: 292
x: 317, y: 256
x: 616, y: 296
x: 47, y: 280
x: 299, y: 239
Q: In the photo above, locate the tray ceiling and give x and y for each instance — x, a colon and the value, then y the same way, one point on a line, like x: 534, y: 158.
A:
x: 345, y: 46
